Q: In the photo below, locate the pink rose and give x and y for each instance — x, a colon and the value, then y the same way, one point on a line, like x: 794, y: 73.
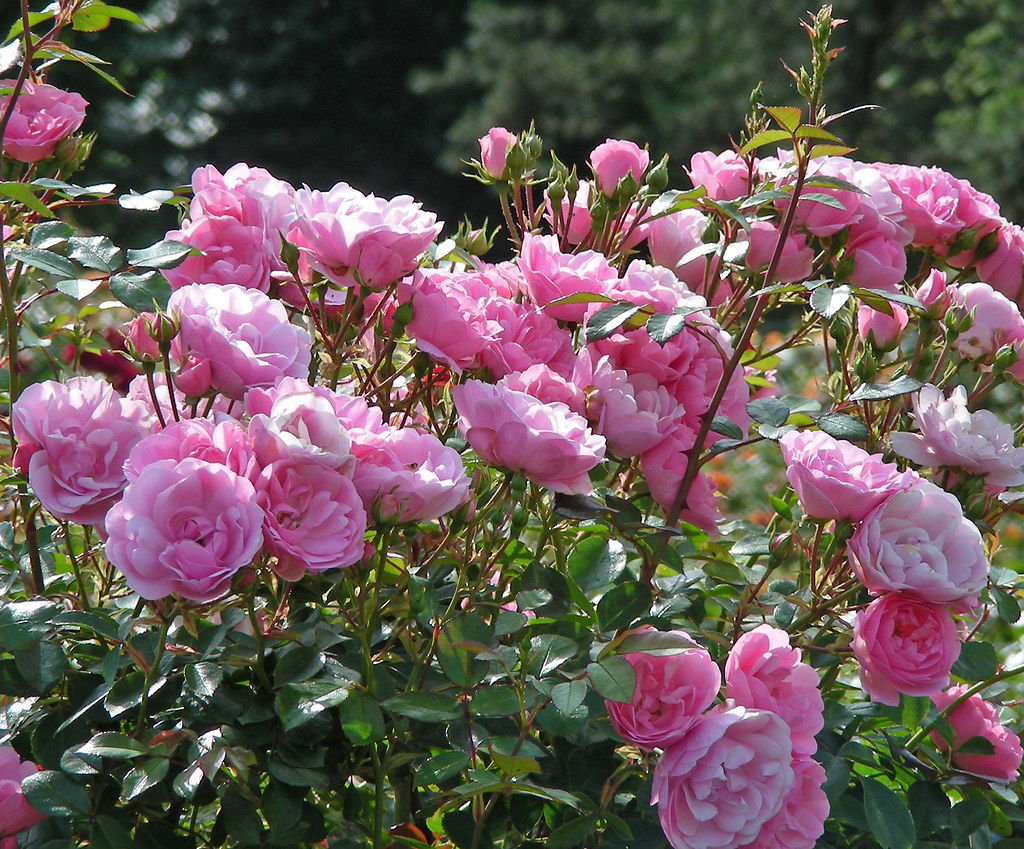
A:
x: 302, y: 425
x: 931, y: 198
x: 676, y: 242
x: 725, y: 175
x: 952, y: 436
x: 494, y: 148
x: 879, y: 260
x: 184, y: 528
x: 933, y: 294
x: 550, y: 444
x: 795, y: 262
x: 801, y: 821
x: 673, y: 688
x: 904, y: 645
x: 314, y: 518
x: 918, y: 541
x: 664, y: 465
x: 835, y: 479
x: 525, y: 336
x: 231, y: 253
x: 404, y: 475
x: 550, y: 274
x: 16, y: 815
x: 976, y: 717
x: 243, y: 337
x: 996, y: 320
x: 718, y: 786
x: 764, y: 672
x: 613, y: 160
x: 1002, y: 268
x: 225, y: 444
x: 546, y: 385
x: 73, y: 439
x: 879, y: 329
x: 42, y: 117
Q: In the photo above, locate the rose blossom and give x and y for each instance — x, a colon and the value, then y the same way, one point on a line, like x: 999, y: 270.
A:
x: 314, y: 518
x: 525, y: 336
x: 16, y: 814
x: 881, y: 330
x: 951, y: 435
x: 904, y: 645
x: 184, y: 528
x: 673, y: 688
x: 835, y: 479
x: 239, y: 336
x: 550, y: 275
x: 725, y: 175
x: 996, y: 320
x: 73, y: 439
x: 930, y: 199
x: 225, y: 443
x: 764, y: 672
x: 676, y: 242
x: 717, y: 786
x: 550, y: 444
x: 614, y: 159
x: 801, y: 821
x: 976, y: 717
x: 301, y: 424
x: 494, y: 149
x: 1002, y: 268
x: 231, y: 253
x: 795, y: 262
x: 918, y: 541
x: 42, y: 117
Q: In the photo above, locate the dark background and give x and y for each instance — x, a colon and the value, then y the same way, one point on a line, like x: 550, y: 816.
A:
x: 389, y: 95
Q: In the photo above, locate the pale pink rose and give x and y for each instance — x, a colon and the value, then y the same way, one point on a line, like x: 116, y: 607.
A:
x: 42, y: 117
x: 996, y: 320
x: 245, y: 337
x: 525, y: 336
x: 302, y: 424
x: 919, y: 542
x: 879, y: 261
x: 546, y: 385
x: 933, y: 294
x: 225, y: 443
x: 16, y: 814
x: 550, y: 274
x: 904, y: 645
x: 980, y: 213
x: 550, y: 444
x: 835, y: 479
x: 655, y: 286
x: 676, y: 242
x: 252, y: 196
x: 1003, y: 268
x: 73, y: 439
x: 764, y: 672
x: 314, y: 518
x: 494, y: 148
x: 184, y: 528
x: 231, y: 253
x: 405, y: 475
x: 614, y: 159
x: 577, y: 225
x: 821, y: 219
x: 795, y: 262
x: 673, y: 688
x: 954, y: 437
x: 354, y: 238
x: 879, y: 329
x: 718, y: 786
x: 725, y: 175
x: 801, y: 821
x: 976, y: 717
x: 930, y: 199
x: 139, y: 390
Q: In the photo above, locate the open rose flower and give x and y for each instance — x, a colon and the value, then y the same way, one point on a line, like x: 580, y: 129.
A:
x: 614, y: 159
x: 718, y: 786
x: 904, y: 645
x: 976, y: 717
x: 16, y: 814
x: 801, y: 821
x: 673, y: 688
x: 43, y: 116
x: 184, y: 528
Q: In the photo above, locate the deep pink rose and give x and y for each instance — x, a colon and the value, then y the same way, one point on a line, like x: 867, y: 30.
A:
x: 231, y: 253
x: 976, y: 717
x: 493, y: 150
x: 225, y: 443
x: 73, y: 439
x: 525, y: 336
x: 184, y: 528
x: 763, y: 671
x: 954, y: 437
x: 244, y: 337
x: 801, y: 821
x: 550, y: 444
x: 904, y: 645
x: 405, y: 475
x: 879, y: 260
x: 613, y: 160
x: 42, y: 117
x: 835, y: 479
x: 879, y: 329
x: 16, y: 815
x: 673, y: 688
x: 314, y: 518
x: 718, y: 786
x: 550, y: 274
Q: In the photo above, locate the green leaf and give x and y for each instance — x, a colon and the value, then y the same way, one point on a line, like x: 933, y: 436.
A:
x: 613, y: 678
x: 514, y: 765
x: 298, y: 664
x: 54, y: 793
x: 42, y: 665
x: 661, y: 327
x: 111, y: 744
x: 841, y: 426
x: 572, y: 833
x: 978, y: 660
x: 165, y: 254
x: 140, y: 292
x: 622, y: 605
x: 769, y: 411
x: 675, y: 201
x: 495, y: 701
x: 458, y: 644
x: 966, y: 818
x: 827, y: 302
x: 880, y: 391
x: 96, y: 252
x: 549, y: 651
x: 653, y: 642
x: 976, y: 746
x: 1007, y: 606
x: 887, y: 816
x: 23, y: 194
x: 605, y: 322
x: 827, y: 200
x: 725, y: 427
x: 24, y: 623
x: 929, y: 805
x: 201, y: 681
x: 596, y: 562
x: 296, y: 704
x: 752, y: 545
x: 765, y: 138
x: 51, y: 263
x: 424, y: 706
x: 568, y: 696
x: 81, y: 288
x: 787, y: 117
x: 441, y: 766
x: 143, y: 775
x: 146, y: 202
x: 108, y: 833
x: 360, y: 718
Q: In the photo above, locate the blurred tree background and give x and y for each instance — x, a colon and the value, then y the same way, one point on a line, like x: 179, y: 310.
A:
x: 389, y: 95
